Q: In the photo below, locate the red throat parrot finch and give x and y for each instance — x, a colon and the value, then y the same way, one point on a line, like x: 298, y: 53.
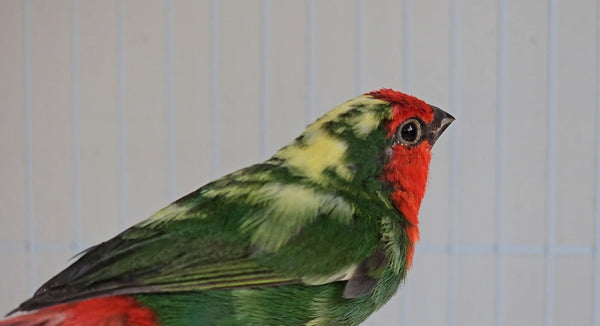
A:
x: 322, y: 233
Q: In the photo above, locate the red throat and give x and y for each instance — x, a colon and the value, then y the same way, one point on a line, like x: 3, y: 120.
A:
x: 407, y: 173
x: 408, y: 167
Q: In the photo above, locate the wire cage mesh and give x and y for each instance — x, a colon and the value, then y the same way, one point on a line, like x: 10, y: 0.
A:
x: 112, y: 109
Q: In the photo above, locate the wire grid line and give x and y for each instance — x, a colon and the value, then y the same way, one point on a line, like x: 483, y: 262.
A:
x: 310, y: 60
x: 359, y: 23
x: 406, y: 44
x: 77, y: 209
x: 31, y: 225
x: 421, y: 248
x: 122, y: 123
x: 453, y: 194
x: 214, y: 90
x: 500, y: 162
x: 265, y: 44
x: 596, y: 248
x: 551, y: 164
x: 170, y: 102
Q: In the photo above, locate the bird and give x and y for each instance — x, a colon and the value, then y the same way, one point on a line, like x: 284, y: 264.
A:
x: 321, y: 233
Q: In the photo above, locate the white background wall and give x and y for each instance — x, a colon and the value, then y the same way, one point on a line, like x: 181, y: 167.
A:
x: 111, y: 109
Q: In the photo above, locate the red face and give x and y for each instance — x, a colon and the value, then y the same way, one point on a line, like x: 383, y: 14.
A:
x: 414, y: 128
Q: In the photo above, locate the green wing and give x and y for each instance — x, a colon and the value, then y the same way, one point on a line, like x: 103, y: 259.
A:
x: 257, y: 227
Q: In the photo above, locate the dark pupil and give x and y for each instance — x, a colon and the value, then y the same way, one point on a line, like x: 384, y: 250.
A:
x: 409, y: 132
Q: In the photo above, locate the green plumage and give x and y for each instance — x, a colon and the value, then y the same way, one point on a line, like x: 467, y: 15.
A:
x: 309, y: 237
x: 284, y: 305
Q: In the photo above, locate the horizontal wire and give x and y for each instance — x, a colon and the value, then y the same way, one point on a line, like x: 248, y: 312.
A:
x: 424, y: 248
x: 506, y: 249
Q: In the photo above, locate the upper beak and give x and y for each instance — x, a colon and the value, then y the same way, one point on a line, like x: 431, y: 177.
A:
x: 441, y: 121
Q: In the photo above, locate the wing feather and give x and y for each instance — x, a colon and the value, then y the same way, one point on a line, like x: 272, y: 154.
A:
x: 237, y: 232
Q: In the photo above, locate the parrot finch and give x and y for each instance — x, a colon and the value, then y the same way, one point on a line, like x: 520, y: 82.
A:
x: 322, y: 233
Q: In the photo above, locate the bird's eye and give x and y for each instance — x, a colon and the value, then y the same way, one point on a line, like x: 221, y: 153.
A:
x: 409, y: 132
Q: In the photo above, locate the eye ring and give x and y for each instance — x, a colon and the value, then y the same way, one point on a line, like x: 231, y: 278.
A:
x: 409, y: 132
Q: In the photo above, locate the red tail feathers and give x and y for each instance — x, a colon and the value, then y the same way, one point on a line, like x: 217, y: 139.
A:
x: 106, y: 311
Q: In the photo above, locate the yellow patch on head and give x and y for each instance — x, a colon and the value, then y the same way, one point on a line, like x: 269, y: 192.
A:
x: 318, y: 152
x: 365, y: 124
x: 335, y: 113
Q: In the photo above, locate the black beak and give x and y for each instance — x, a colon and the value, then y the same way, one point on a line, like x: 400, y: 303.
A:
x: 441, y: 121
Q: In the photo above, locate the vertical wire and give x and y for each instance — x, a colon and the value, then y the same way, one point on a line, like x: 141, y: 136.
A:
x: 596, y: 251
x: 122, y: 145
x: 31, y: 225
x: 170, y: 103
x: 310, y: 58
x: 360, y: 45
x: 500, y: 155
x: 77, y: 204
x: 264, y: 80
x: 406, y: 42
x: 453, y: 181
x: 214, y: 89
x: 406, y: 51
x: 551, y: 161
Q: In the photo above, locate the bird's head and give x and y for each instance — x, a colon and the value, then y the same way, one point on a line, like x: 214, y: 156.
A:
x: 380, y: 138
x: 385, y: 134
